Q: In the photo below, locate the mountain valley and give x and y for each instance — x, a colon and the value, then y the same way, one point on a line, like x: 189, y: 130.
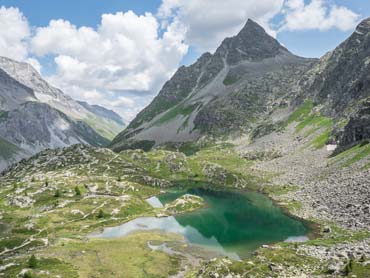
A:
x: 252, y: 117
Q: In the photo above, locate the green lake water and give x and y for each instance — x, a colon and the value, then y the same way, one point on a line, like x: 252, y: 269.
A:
x: 233, y: 223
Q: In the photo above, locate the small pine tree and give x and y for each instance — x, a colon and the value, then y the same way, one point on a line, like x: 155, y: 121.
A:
x: 349, y: 266
x: 77, y: 191
x: 33, y: 179
x: 119, y: 178
x: 28, y: 275
x: 100, y: 214
x: 46, y: 183
x: 32, y: 262
x: 57, y: 193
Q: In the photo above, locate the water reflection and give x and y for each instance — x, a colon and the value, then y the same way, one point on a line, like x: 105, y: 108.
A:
x: 167, y: 224
x: 233, y: 223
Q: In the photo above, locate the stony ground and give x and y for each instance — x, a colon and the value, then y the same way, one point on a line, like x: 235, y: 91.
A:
x: 314, y: 184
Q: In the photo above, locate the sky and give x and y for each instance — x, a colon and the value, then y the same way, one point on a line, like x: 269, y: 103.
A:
x: 119, y: 53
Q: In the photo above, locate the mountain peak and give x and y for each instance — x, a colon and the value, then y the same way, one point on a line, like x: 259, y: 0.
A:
x: 252, y: 25
x: 251, y: 43
x: 363, y: 27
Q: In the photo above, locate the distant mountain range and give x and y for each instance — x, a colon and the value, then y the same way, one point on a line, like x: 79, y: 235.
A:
x: 252, y: 84
x: 35, y: 116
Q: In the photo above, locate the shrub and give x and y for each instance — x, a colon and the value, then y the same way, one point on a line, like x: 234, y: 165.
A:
x: 348, y: 268
x: 32, y: 262
x: 28, y: 275
x: 57, y: 194
x: 364, y: 143
x: 101, y: 214
x: 77, y: 191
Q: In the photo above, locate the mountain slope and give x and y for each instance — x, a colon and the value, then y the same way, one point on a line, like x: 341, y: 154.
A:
x: 222, y: 93
x: 44, y: 92
x: 13, y: 93
x: 340, y: 83
x: 252, y: 84
x: 104, y: 112
x: 28, y: 126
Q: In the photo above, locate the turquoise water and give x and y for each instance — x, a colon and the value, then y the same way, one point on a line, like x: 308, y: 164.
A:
x: 233, y: 223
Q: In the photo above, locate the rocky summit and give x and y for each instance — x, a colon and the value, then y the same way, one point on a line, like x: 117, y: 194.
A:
x: 288, y: 137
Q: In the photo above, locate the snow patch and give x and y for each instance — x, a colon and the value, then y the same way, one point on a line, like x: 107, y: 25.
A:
x: 331, y: 148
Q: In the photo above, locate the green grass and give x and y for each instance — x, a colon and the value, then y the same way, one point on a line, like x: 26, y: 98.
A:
x: 314, y: 122
x: 106, y: 128
x: 359, y: 270
x: 174, y: 112
x: 353, y: 155
x: 281, y: 190
x: 310, y: 123
x: 46, y: 267
x: 321, y: 140
x: 302, y: 112
x: 126, y: 257
x: 337, y: 236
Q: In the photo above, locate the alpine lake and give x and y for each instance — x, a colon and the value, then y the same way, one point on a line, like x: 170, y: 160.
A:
x: 233, y: 223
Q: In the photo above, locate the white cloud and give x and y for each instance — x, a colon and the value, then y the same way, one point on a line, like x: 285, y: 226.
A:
x: 126, y: 52
x: 208, y: 22
x: 14, y: 32
x: 318, y: 14
x: 123, y: 101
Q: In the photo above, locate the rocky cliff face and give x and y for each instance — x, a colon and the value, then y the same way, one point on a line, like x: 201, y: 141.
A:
x: 25, y: 74
x: 221, y: 93
x: 358, y: 128
x: 35, y: 116
x: 340, y: 84
x: 36, y: 126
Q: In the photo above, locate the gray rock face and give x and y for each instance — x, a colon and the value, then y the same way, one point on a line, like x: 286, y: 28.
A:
x: 342, y: 76
x: 29, y: 125
x: 221, y: 93
x: 340, y: 83
x: 358, y: 128
x: 98, y: 118
x: 13, y: 93
x: 36, y: 126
